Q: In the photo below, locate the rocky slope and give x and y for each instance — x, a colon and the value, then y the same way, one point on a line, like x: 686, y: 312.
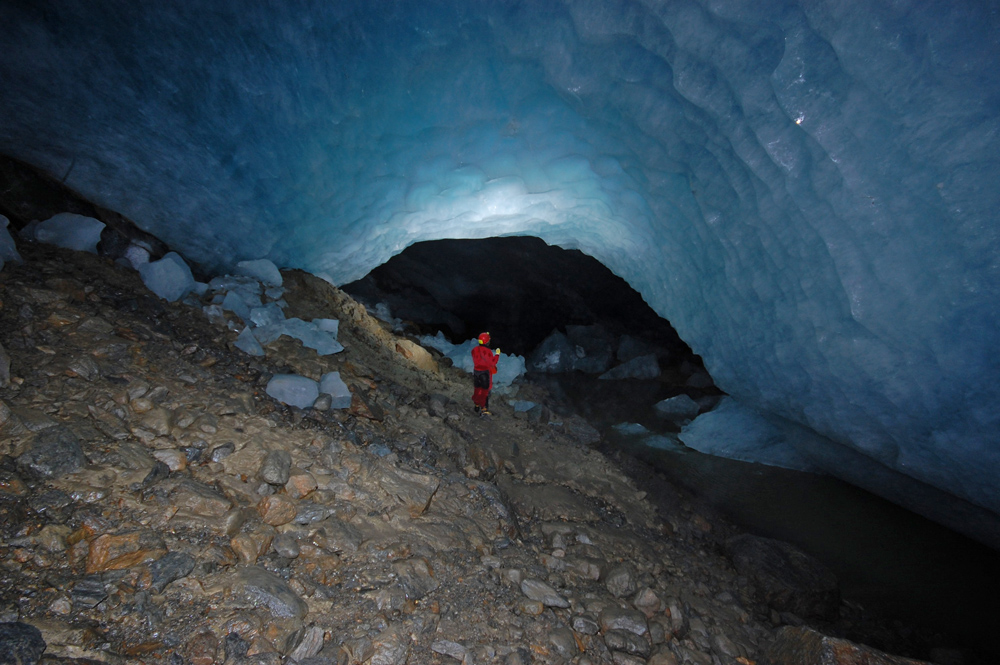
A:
x: 156, y: 506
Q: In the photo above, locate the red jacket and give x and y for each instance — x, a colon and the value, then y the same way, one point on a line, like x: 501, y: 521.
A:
x: 484, y: 360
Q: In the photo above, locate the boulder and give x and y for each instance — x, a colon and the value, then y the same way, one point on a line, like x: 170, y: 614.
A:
x: 797, y: 645
x: 789, y: 579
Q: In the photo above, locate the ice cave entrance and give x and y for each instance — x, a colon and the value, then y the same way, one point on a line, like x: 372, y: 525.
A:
x: 523, y: 291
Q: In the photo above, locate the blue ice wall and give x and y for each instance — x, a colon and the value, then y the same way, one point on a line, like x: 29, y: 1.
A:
x: 809, y: 193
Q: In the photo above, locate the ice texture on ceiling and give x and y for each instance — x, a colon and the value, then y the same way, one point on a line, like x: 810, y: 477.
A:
x: 808, y: 192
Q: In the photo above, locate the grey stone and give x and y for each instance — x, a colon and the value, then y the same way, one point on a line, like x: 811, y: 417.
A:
x: 519, y: 656
x: 220, y: 453
x: 20, y: 644
x: 564, y: 642
x: 627, y: 642
x: 309, y: 643
x: 88, y: 592
x: 620, y: 582
x: 53, y: 452
x: 617, y: 618
x: 309, y: 512
x: 4, y: 368
x: 585, y: 626
x: 543, y: 593
x: 170, y: 567
x: 286, y: 545
x: 276, y: 467
x: 337, y: 536
x: 449, y: 648
x: 414, y: 577
x: 392, y: 647
x: 266, y: 589
x: 159, y: 471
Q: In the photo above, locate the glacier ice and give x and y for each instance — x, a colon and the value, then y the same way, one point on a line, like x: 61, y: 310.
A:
x: 805, y: 190
x: 248, y: 343
x: 293, y: 390
x: 170, y: 277
x: 8, y: 250
x: 263, y: 270
x: 679, y: 407
x: 70, y: 231
x: 331, y: 384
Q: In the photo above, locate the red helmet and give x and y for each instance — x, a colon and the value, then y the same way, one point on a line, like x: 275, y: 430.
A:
x: 484, y: 338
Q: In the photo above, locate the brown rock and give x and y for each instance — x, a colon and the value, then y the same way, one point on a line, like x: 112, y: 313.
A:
x: 116, y: 552
x: 201, y: 650
x: 199, y: 499
x: 414, y: 490
x: 173, y: 458
x: 250, y: 546
x: 366, y: 408
x: 300, y: 484
x: 276, y: 509
x: 416, y: 354
x: 805, y: 646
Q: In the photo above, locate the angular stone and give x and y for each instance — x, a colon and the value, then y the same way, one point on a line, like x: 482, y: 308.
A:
x: 585, y: 626
x: 286, y: 545
x: 262, y: 588
x: 789, y: 579
x: 627, y: 642
x: 662, y: 657
x: 392, y: 647
x: 170, y: 567
x: 620, y: 581
x: 310, y: 644
x: 117, y: 552
x: 52, y: 453
x: 276, y: 509
x: 449, y: 648
x: 251, y: 546
x: 199, y: 499
x: 276, y: 467
x: 617, y: 618
x: 543, y: 593
x: 804, y: 646
x: 564, y: 643
x: 414, y: 490
x: 415, y: 577
x: 88, y: 592
x: 647, y: 602
x: 175, y: 459
x: 20, y: 643
x: 337, y: 537
x: 300, y: 484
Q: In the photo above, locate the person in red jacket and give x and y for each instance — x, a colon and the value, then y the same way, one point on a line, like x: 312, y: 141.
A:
x: 484, y: 366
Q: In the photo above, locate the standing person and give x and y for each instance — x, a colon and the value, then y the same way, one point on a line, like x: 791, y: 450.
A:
x: 484, y: 366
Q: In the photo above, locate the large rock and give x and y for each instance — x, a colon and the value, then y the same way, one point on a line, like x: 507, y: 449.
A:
x: 53, y: 452
x: 789, y: 579
x: 805, y: 646
x: 20, y: 644
x: 263, y: 588
x: 642, y: 367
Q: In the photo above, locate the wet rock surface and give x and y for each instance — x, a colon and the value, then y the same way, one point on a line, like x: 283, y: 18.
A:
x: 157, y: 506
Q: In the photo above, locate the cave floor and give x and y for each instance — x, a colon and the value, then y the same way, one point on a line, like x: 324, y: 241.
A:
x: 158, y: 506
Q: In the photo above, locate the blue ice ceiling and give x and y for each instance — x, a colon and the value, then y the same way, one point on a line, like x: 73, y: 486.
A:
x: 808, y: 193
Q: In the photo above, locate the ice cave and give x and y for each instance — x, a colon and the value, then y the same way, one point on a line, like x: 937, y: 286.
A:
x: 807, y: 191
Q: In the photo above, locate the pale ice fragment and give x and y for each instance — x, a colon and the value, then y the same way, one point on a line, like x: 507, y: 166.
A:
x: 677, y: 408
x: 170, y: 277
x: 8, y: 250
x: 248, y: 343
x: 263, y: 270
x: 331, y: 384
x: 71, y: 231
x: 293, y: 390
